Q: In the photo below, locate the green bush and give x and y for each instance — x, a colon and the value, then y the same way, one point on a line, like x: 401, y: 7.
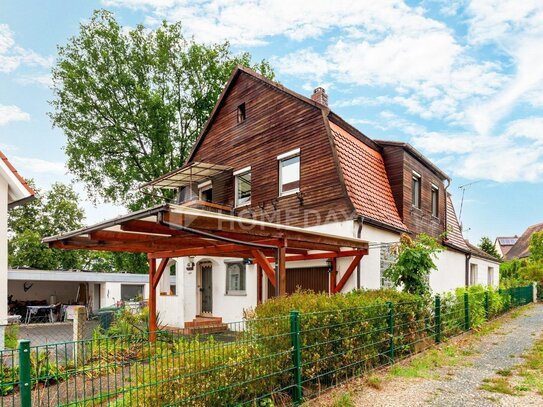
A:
x: 11, y: 336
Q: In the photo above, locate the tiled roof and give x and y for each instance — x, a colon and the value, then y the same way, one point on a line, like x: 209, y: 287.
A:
x: 18, y: 177
x: 366, y: 179
x: 521, y: 248
x: 476, y: 251
x: 454, y: 237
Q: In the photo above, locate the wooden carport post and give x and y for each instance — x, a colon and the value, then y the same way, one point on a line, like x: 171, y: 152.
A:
x: 152, y: 300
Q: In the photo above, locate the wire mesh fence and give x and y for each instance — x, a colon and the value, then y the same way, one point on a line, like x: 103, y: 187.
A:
x: 261, y: 361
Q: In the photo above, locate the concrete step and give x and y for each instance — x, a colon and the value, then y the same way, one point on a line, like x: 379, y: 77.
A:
x: 201, y: 321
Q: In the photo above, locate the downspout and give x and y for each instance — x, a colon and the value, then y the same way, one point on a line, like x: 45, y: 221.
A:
x: 360, y: 221
x: 468, y: 257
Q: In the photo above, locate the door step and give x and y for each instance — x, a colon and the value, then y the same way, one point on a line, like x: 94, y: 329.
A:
x: 204, y: 325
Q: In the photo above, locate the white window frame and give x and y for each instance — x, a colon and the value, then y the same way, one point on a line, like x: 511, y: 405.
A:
x: 418, y: 177
x: 236, y: 174
x: 473, y: 274
x: 243, y: 274
x: 204, y: 186
x: 284, y: 157
x: 490, y: 276
x: 436, y: 189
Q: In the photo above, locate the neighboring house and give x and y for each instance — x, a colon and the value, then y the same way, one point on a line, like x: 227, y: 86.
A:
x: 14, y: 191
x: 521, y: 248
x: 291, y: 160
x: 484, y: 269
x: 92, y: 289
x: 504, y: 244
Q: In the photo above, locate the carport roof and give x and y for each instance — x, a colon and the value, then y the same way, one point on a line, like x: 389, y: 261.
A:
x: 76, y: 276
x: 175, y: 231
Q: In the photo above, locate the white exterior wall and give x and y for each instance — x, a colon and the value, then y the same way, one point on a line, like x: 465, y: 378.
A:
x: 110, y: 292
x: 482, y: 270
x: 450, y: 273
x: 3, y: 258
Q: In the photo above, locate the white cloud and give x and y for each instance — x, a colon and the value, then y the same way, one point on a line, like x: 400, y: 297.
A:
x: 12, y: 113
x: 34, y: 166
x: 12, y: 56
x: 43, y: 80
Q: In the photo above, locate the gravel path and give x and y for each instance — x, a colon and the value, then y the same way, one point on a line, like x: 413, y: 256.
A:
x: 459, y: 386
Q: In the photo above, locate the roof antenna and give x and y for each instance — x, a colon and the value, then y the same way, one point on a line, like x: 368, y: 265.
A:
x: 463, y: 188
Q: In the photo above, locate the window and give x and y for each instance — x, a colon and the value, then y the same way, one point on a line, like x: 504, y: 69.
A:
x: 490, y: 276
x: 435, y: 201
x: 235, y: 278
x: 243, y: 186
x: 131, y: 292
x: 206, y: 192
x: 289, y: 172
x: 387, y: 260
x: 415, y: 190
x: 473, y: 274
x: 241, y: 113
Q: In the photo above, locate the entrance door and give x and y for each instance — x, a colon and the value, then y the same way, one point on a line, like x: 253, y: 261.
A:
x: 206, y: 289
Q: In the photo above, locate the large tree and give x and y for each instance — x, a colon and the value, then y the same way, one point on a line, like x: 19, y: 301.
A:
x: 132, y: 101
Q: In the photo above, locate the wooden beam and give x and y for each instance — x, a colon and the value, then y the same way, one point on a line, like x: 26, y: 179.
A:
x: 261, y: 260
x: 327, y: 255
x: 143, y: 226
x: 259, y: 284
x: 347, y: 274
x: 160, y: 271
x: 282, y: 271
x: 152, y: 301
x: 203, y: 251
x: 333, y: 276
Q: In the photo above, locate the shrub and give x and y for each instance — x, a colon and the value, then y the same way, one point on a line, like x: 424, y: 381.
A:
x: 11, y: 336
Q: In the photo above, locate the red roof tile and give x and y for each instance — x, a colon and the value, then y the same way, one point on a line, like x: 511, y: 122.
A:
x: 366, y: 179
x: 17, y: 175
x: 454, y: 234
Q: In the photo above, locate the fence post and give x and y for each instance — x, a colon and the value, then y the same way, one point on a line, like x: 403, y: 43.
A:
x: 466, y: 311
x: 80, y: 315
x: 437, y: 316
x: 296, y: 355
x: 25, y: 391
x: 534, y: 292
x: 487, y: 307
x: 391, y: 331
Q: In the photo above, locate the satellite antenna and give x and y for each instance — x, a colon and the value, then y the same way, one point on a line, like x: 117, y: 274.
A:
x: 463, y: 188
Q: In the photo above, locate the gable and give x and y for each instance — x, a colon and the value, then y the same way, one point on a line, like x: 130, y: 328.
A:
x: 522, y: 247
x: 454, y: 237
x: 276, y: 122
x: 18, y: 190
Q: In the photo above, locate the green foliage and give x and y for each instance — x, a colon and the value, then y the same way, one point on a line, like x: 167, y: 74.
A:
x: 415, y: 261
x: 488, y: 247
x: 536, y: 247
x: 53, y: 212
x: 132, y: 101
x: 11, y: 336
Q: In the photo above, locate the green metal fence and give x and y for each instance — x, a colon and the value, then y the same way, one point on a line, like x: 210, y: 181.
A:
x: 258, y: 362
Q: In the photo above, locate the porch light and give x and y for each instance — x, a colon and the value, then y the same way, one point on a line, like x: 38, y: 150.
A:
x: 329, y: 264
x: 190, y: 264
x: 247, y: 261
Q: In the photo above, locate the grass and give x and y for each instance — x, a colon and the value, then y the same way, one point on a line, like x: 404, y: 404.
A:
x: 498, y: 385
x: 531, y: 370
x: 424, y: 366
x: 343, y: 400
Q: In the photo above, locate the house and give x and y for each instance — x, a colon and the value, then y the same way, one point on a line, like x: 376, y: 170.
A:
x: 93, y: 289
x: 521, y: 248
x: 504, y: 244
x: 14, y: 191
x: 484, y: 269
x: 286, y: 163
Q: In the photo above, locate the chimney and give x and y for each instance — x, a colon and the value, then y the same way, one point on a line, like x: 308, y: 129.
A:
x: 319, y: 95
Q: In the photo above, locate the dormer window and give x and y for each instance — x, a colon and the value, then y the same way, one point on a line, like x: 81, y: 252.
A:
x: 415, y: 190
x: 241, y: 113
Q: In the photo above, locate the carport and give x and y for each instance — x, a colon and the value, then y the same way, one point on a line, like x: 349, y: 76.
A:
x: 168, y: 231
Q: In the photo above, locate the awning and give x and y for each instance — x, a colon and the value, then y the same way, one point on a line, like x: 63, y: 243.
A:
x: 184, y: 176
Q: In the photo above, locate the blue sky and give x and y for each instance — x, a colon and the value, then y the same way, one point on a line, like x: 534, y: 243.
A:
x: 460, y: 80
